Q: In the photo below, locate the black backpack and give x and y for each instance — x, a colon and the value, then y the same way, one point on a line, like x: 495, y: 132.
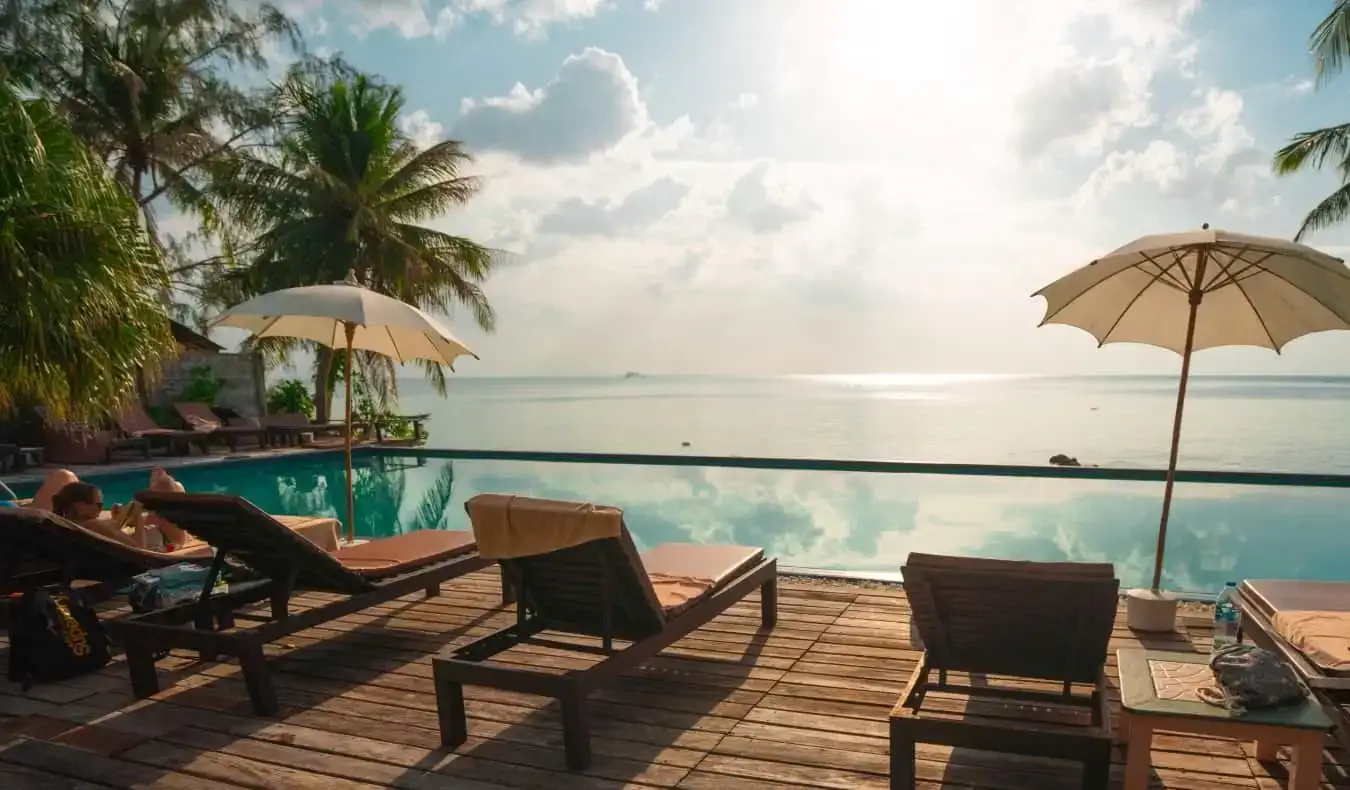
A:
x: 54, y: 635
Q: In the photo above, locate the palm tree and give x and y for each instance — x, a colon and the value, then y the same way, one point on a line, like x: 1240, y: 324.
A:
x: 147, y: 83
x: 345, y: 191
x: 79, y: 315
x: 1331, y: 145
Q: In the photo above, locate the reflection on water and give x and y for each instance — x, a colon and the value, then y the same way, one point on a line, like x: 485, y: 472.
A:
x: 838, y: 521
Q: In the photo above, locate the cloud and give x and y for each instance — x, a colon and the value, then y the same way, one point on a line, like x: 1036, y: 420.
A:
x: 589, y: 107
x: 766, y: 206
x: 641, y: 208
x: 419, y: 126
x: 531, y: 18
x: 1214, y: 161
x: 1090, y: 106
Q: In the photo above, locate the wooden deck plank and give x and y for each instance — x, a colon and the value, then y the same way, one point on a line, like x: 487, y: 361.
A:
x: 728, y: 707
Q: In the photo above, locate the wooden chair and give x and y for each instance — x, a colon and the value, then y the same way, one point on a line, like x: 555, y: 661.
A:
x: 365, y: 574
x: 600, y: 588
x: 1025, y: 620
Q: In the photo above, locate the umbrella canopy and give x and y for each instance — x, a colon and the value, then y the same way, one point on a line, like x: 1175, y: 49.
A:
x: 345, y: 315
x: 322, y: 313
x: 1196, y: 290
x: 1256, y: 292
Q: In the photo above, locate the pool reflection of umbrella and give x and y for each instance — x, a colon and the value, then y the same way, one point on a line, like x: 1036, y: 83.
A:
x: 1195, y: 290
x: 344, y: 314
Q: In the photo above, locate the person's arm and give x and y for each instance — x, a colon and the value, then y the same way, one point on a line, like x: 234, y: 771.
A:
x: 110, y: 529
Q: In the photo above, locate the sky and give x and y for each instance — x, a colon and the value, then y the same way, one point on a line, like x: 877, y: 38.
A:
x: 855, y: 186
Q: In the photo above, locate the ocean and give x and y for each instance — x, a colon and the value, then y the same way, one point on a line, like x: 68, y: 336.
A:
x: 1231, y: 422
x: 869, y: 522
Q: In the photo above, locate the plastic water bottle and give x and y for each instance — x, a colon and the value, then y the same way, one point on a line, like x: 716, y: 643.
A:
x: 1226, y: 617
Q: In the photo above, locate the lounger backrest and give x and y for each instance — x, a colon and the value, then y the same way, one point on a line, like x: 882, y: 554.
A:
x: 133, y: 419
x: 198, y: 416
x: 245, y: 532
x: 28, y: 534
x: 1049, y: 620
x: 584, y: 588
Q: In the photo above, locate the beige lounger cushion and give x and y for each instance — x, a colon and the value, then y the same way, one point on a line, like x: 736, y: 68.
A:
x: 1324, y: 637
x: 384, y: 557
x: 682, y: 573
x: 509, y: 526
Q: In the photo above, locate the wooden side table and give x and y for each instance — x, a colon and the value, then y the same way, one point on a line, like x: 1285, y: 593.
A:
x: 1157, y: 691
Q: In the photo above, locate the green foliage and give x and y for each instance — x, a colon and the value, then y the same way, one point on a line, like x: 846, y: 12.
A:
x: 290, y: 397
x: 346, y: 190
x: 164, y: 416
x: 147, y: 83
x: 203, y: 386
x: 79, y: 275
x: 1329, y: 147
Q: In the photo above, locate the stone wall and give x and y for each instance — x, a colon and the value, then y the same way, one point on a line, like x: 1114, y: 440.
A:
x: 243, y: 374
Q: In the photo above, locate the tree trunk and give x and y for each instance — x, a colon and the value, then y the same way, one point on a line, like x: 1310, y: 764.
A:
x: 323, y: 377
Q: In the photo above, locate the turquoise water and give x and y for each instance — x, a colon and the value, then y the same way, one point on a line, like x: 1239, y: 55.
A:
x: 838, y: 521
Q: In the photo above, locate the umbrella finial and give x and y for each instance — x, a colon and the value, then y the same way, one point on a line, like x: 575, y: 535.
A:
x: 351, y: 279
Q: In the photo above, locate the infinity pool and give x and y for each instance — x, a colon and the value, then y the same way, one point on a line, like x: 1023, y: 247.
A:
x: 831, y: 520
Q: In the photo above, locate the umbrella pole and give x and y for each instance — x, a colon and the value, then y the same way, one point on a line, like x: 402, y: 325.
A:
x: 1196, y: 295
x: 351, y: 521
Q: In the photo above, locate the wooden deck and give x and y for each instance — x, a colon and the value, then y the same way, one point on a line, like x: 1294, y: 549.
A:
x: 727, y: 708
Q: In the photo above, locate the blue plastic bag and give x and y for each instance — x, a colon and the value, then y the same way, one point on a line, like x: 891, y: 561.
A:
x: 162, y: 588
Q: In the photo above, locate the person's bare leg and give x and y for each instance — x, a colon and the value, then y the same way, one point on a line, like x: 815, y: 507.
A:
x: 56, y: 480
x: 161, y: 480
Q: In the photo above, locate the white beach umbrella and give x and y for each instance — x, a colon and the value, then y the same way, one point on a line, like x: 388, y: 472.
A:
x: 1201, y: 289
x: 345, y: 315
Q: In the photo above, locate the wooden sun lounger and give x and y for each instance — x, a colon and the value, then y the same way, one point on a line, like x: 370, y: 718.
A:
x: 1034, y: 620
x: 200, y: 418
x: 601, y: 588
x: 290, y: 426
x: 136, y: 424
x: 367, y: 574
x: 38, y: 547
x: 1262, y: 600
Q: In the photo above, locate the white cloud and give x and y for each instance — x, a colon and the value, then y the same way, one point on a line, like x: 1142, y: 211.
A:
x: 419, y: 126
x: 639, y: 209
x: 764, y: 205
x: 589, y: 107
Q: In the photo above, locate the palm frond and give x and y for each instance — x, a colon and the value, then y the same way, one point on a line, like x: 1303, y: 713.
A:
x: 1331, y: 42
x: 1334, y: 209
x: 1315, y: 150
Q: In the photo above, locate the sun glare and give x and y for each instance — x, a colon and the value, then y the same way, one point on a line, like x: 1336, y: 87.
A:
x: 911, y: 75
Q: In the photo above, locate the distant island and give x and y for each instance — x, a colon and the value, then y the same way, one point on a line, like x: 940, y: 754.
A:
x: 632, y: 374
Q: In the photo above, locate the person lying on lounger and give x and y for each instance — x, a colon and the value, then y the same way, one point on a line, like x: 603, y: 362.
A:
x: 64, y: 494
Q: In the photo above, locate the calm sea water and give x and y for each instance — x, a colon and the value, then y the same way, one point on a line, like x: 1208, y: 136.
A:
x: 862, y: 522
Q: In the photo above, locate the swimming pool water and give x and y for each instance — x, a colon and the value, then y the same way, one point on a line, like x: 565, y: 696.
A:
x: 830, y: 520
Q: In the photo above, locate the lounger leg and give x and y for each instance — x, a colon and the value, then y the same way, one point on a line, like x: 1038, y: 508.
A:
x: 508, y: 591
x: 450, y: 710
x: 258, y: 679
x: 576, y: 730
x: 141, y: 666
x: 434, y: 591
x: 902, y: 760
x: 1097, y: 770
x: 768, y: 602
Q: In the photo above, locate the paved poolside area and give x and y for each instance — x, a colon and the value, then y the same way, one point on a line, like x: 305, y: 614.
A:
x: 728, y: 708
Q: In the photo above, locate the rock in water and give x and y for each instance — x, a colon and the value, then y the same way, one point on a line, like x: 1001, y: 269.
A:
x: 1060, y: 459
